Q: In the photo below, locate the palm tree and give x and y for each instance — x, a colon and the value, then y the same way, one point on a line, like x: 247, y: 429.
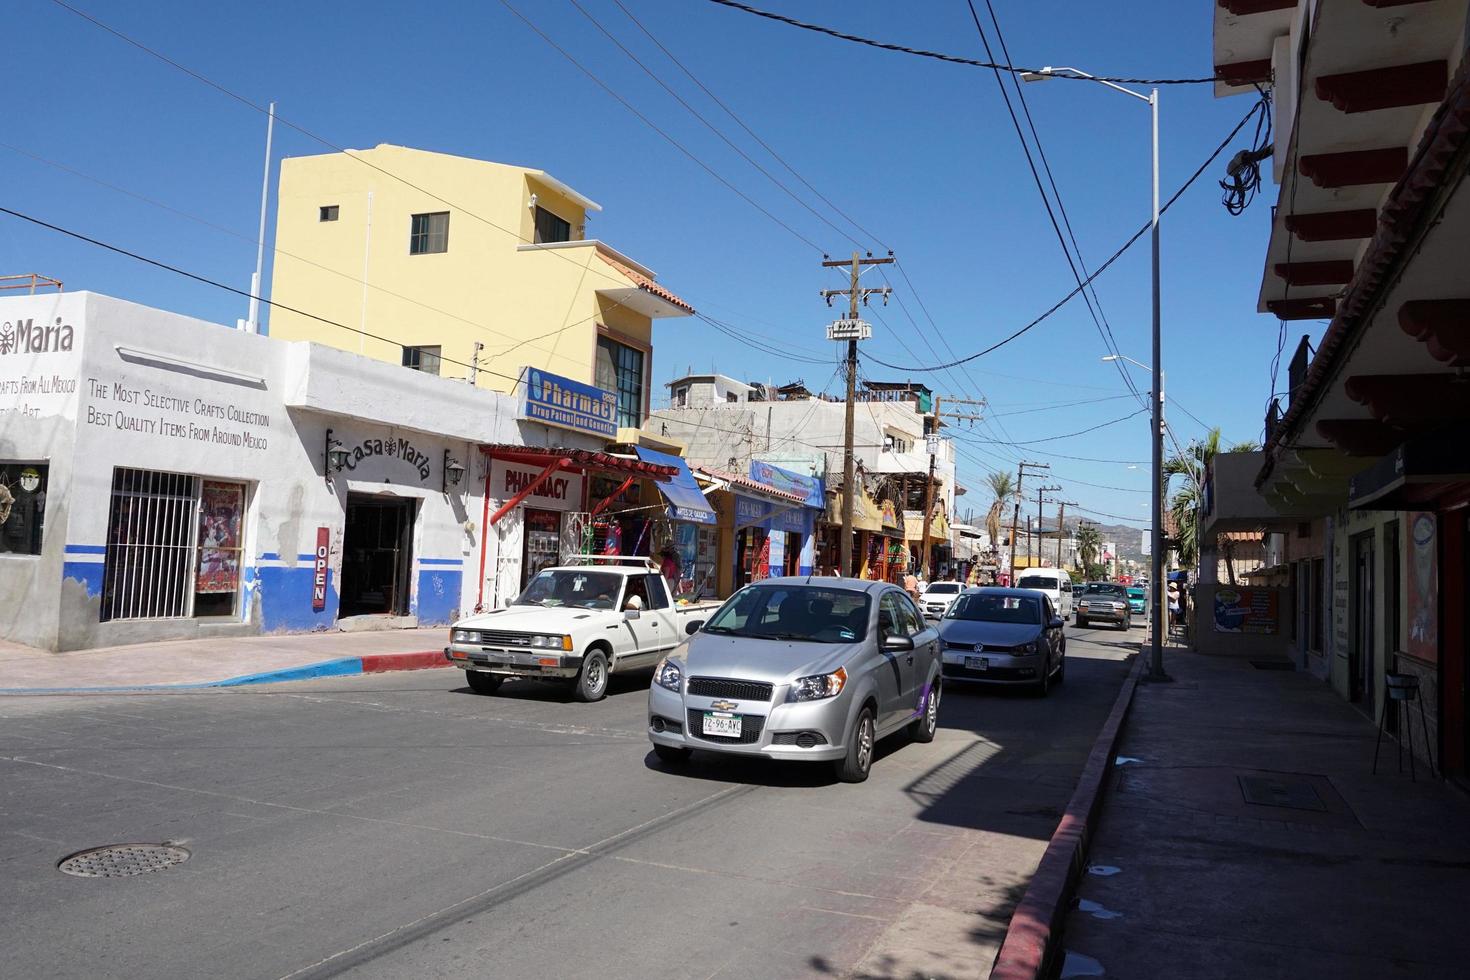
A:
x: 1089, y: 543
x: 1184, y: 506
x: 1002, y: 486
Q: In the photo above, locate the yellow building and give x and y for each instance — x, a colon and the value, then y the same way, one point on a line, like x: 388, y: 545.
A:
x: 423, y: 256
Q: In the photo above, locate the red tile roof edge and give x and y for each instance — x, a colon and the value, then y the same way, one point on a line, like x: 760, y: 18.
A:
x: 746, y: 483
x: 645, y: 283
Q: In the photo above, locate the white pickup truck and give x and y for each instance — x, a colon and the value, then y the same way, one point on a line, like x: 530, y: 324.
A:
x: 578, y: 623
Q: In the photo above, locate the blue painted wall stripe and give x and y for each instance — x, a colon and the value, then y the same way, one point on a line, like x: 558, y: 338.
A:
x: 441, y: 561
x: 86, y: 549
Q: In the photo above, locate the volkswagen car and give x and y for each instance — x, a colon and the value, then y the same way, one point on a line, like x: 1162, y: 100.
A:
x: 801, y: 670
x: 1004, y: 636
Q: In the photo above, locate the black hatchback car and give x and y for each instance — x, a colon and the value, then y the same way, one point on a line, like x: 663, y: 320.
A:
x: 1003, y: 636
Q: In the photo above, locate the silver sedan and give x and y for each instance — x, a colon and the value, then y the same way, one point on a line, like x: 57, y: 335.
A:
x: 802, y: 669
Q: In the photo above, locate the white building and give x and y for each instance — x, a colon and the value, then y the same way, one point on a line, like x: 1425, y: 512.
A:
x: 170, y: 478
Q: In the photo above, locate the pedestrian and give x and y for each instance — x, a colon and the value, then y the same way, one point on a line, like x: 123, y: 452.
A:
x: 1172, y: 593
x: 911, y: 585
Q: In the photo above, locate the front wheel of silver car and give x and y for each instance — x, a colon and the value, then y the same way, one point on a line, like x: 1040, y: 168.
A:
x: 923, y: 728
x: 672, y: 754
x: 855, y: 766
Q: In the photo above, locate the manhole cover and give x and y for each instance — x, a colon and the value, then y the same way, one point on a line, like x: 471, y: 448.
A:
x: 1292, y: 792
x: 122, y: 860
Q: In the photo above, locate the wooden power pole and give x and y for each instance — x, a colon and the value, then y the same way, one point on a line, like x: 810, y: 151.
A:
x: 932, y: 441
x: 1016, y: 513
x: 1062, y: 506
x: 851, y: 330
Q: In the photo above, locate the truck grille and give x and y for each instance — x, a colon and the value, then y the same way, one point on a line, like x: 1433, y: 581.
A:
x: 750, y: 729
x: 719, y: 687
x: 499, y: 638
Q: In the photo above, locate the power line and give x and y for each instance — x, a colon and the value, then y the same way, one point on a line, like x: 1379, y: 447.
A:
x: 652, y: 125
x: 1132, y: 240
x: 219, y: 285
x: 920, y: 52
x: 1068, y: 435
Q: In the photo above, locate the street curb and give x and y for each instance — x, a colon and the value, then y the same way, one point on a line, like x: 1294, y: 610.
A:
x: 1029, y: 945
x: 373, y: 663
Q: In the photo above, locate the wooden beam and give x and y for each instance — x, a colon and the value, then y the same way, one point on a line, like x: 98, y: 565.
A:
x: 1304, y: 308
x: 1244, y: 72
x: 1385, y: 88
x: 1329, y: 273
x: 1353, y: 167
x: 1333, y: 226
x: 1442, y: 325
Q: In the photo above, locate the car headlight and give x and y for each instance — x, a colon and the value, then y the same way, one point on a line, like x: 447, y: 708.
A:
x: 552, y: 642
x: 463, y: 636
x: 1027, y: 648
x: 819, y: 686
x: 668, y: 675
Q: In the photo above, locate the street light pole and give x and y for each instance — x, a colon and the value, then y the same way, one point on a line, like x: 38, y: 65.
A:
x: 1156, y: 440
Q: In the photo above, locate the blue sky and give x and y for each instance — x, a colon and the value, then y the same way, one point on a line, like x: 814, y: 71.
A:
x: 920, y: 153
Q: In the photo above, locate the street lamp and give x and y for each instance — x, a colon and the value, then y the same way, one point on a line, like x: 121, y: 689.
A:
x: 1156, y: 653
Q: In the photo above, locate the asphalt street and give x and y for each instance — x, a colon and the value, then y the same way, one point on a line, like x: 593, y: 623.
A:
x: 397, y: 825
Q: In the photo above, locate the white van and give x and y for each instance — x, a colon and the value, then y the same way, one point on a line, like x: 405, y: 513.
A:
x: 1054, y: 582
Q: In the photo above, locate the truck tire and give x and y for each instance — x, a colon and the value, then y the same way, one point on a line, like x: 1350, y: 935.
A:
x: 854, y: 768
x: 591, y: 683
x: 481, y: 682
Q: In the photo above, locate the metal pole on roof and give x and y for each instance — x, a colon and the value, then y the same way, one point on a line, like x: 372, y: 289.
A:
x: 252, y: 320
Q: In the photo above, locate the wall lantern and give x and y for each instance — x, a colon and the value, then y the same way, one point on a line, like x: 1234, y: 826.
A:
x: 453, y: 472
x: 334, y: 455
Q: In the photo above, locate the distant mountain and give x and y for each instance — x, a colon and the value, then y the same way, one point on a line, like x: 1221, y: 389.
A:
x: 1129, y: 539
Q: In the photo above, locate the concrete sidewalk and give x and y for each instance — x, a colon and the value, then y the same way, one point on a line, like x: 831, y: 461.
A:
x: 218, y: 662
x: 1331, y: 872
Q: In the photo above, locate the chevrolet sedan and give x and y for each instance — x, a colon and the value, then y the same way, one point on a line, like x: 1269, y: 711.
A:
x: 800, y: 669
x: 1004, y: 636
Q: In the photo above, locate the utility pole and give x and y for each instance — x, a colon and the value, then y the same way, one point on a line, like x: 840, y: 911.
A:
x: 852, y: 330
x: 1016, y: 513
x: 933, y: 447
x: 475, y: 363
x: 1040, y: 535
x: 1062, y: 506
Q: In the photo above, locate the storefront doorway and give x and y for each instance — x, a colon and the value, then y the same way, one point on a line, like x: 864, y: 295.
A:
x: 1361, y: 663
x: 542, y: 543
x: 377, y: 552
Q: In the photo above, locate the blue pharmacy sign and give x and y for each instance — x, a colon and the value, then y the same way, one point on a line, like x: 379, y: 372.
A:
x: 568, y: 404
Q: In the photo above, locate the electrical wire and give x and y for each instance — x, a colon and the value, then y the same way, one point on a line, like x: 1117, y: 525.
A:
x: 1132, y: 240
x: 952, y: 59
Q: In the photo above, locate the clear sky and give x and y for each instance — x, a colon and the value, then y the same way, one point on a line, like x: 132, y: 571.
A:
x: 920, y: 153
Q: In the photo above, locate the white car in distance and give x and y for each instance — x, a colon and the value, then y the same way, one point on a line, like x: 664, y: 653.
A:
x: 938, y: 597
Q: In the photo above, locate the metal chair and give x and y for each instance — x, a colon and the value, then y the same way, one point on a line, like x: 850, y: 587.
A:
x: 1399, y: 689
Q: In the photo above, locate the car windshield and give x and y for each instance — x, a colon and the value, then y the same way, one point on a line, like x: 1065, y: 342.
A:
x: 981, y: 608
x: 945, y: 588
x: 1135, y: 593
x: 806, y: 613
x: 1037, y: 582
x: 1107, y: 589
x: 572, y: 587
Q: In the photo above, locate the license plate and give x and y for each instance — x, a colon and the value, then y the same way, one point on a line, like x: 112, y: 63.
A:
x: 722, y: 723
x: 977, y: 663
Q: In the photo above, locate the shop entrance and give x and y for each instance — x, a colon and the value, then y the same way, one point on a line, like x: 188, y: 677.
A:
x: 377, y: 551
x: 1361, y: 660
x: 542, y: 548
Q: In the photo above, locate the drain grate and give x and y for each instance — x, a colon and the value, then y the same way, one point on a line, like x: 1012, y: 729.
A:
x: 122, y: 860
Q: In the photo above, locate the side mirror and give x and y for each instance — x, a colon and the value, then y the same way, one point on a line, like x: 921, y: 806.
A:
x: 896, y: 644
x: 1057, y: 622
x: 631, y: 613
x: 692, y: 627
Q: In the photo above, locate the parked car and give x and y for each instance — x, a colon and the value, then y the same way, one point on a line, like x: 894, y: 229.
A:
x: 1137, y: 600
x: 579, y: 623
x: 801, y: 670
x: 1055, y: 583
x: 937, y: 596
x: 1105, y: 602
x: 1004, y: 636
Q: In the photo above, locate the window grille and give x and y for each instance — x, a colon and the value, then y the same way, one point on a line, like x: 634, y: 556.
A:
x: 151, y: 530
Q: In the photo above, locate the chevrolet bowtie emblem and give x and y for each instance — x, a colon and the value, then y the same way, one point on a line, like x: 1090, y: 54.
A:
x: 724, y: 706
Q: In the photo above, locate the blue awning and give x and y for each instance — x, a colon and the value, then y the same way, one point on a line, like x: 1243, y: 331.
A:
x: 686, y: 503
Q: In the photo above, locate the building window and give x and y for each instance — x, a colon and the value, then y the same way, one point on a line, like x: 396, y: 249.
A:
x: 730, y: 396
x: 550, y: 228
x: 173, y: 546
x: 22, y: 507
x: 620, y: 370
x: 681, y: 397
x: 425, y: 359
x: 327, y: 212
x: 430, y: 233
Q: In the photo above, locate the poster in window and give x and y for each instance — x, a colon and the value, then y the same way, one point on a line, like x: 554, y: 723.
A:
x: 221, y: 507
x: 1246, y: 610
x: 1423, y: 587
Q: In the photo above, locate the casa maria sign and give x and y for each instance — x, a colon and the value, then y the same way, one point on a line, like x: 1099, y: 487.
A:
x: 567, y: 404
x: 28, y: 337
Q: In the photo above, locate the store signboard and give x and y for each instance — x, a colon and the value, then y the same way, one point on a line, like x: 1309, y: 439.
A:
x: 1246, y: 611
x: 319, y: 570
x: 567, y: 404
x: 559, y: 491
x: 808, y: 488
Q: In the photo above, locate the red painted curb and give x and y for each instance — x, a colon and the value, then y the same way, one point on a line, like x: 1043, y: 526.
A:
x: 379, y: 663
x: 1024, y: 953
